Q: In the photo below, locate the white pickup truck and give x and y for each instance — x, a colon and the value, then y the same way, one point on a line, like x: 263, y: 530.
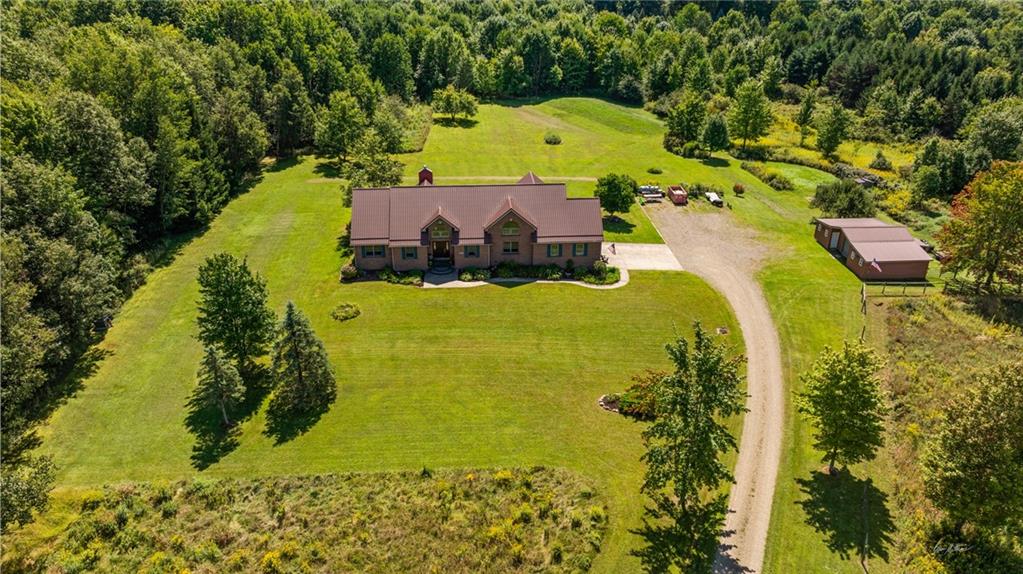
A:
x: 714, y: 199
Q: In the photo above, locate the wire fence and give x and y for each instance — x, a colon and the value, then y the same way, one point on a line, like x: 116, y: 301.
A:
x: 951, y: 286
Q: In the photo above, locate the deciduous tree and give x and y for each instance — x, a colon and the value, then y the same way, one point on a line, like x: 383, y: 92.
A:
x: 685, y: 121
x: 832, y: 125
x: 715, y: 133
x: 616, y: 192
x: 341, y: 125
x: 750, y: 115
x: 972, y: 467
x: 683, y: 448
x: 983, y: 237
x: 804, y: 118
x: 842, y: 398
x: 233, y: 311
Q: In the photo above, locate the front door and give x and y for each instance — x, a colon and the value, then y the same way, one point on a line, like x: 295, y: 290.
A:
x: 441, y: 249
x: 834, y: 239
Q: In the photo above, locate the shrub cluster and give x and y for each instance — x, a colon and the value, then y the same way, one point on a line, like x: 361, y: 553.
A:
x: 412, y: 277
x: 345, y: 312
x: 349, y: 272
x: 474, y: 274
x: 654, y: 170
x: 600, y: 274
x: 738, y: 189
x: 551, y: 138
x: 697, y: 190
x: 768, y: 176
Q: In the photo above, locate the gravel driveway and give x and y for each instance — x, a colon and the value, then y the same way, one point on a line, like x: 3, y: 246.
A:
x: 728, y: 256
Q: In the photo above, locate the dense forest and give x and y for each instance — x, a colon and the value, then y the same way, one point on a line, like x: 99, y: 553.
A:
x: 128, y: 124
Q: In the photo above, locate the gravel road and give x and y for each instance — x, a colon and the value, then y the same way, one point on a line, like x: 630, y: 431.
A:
x: 728, y: 256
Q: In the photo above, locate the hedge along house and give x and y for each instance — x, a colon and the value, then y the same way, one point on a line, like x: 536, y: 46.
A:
x: 874, y: 250
x: 434, y: 226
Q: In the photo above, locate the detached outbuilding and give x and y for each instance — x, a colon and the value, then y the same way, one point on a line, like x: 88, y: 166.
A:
x: 874, y: 250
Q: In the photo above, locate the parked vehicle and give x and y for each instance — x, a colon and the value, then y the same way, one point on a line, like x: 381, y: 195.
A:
x: 714, y: 199
x: 678, y: 195
x: 650, y: 191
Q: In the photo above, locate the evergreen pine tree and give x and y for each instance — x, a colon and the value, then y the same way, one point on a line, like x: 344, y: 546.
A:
x: 219, y: 383
x: 301, y: 371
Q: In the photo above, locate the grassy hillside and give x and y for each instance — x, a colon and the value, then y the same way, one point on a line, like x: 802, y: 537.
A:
x: 485, y: 377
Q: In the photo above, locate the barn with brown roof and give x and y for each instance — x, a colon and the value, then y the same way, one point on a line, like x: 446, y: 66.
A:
x: 478, y: 225
x: 874, y: 250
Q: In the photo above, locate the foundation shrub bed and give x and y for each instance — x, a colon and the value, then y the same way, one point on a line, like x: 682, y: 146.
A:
x: 510, y: 520
x: 413, y: 277
x: 474, y: 274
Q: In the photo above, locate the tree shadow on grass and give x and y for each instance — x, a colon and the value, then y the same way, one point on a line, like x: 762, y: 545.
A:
x: 213, y: 439
x: 714, y: 162
x: 686, y: 543
x: 464, y: 123
x: 615, y: 224
x: 850, y: 512
x: 328, y: 169
x: 284, y: 425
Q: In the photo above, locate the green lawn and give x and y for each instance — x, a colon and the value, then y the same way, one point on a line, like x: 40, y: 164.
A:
x: 483, y: 377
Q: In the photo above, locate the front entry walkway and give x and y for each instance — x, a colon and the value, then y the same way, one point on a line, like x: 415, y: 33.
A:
x: 652, y: 256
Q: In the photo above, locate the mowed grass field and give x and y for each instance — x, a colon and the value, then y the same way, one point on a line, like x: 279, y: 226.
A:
x: 480, y: 377
x: 449, y: 378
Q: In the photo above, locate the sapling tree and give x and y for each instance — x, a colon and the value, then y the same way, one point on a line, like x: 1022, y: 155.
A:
x: 219, y: 385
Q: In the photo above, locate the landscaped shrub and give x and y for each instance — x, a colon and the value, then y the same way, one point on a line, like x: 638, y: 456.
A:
x: 654, y: 170
x: 474, y: 274
x: 600, y: 274
x: 640, y: 399
x: 551, y: 138
x: 345, y: 312
x: 412, y: 277
x: 738, y: 189
x: 510, y: 269
x: 349, y: 272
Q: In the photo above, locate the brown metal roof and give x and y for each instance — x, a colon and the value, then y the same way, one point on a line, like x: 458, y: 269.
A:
x: 530, y: 178
x: 891, y: 251
x: 850, y: 222
x: 873, y: 234
x: 396, y: 215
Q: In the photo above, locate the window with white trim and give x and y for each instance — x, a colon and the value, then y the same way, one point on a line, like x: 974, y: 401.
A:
x: 440, y: 231
x: 510, y: 247
x: 410, y: 253
x: 580, y: 249
x: 471, y: 251
x: 554, y: 250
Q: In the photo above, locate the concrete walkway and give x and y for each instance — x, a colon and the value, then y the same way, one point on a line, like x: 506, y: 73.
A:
x: 728, y: 256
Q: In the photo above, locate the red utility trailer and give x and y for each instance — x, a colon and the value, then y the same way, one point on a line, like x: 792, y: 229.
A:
x: 678, y: 195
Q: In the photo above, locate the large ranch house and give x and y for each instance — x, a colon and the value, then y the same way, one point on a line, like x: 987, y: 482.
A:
x: 478, y: 225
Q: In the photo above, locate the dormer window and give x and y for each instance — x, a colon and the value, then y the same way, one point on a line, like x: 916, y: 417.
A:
x: 510, y: 228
